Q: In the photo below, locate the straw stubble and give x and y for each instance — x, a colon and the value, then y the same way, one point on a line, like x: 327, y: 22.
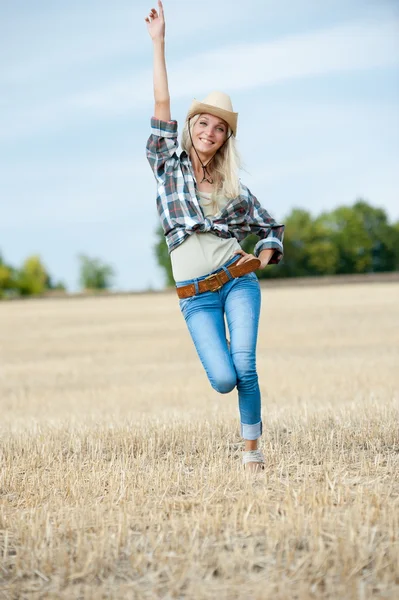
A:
x: 121, y: 468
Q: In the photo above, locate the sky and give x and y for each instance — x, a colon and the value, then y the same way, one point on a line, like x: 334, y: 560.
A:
x: 316, y: 86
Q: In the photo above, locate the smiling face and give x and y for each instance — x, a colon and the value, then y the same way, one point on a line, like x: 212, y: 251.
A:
x: 209, y: 133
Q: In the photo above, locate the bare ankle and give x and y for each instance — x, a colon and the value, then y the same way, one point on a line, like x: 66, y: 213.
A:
x: 251, y: 445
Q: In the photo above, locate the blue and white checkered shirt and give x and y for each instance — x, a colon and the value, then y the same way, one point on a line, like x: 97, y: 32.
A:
x: 179, y: 209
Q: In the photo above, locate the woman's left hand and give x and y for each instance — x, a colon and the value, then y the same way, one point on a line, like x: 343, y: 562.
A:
x: 263, y: 259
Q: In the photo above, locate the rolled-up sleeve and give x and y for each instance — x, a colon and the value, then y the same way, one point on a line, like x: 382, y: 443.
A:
x: 271, y: 233
x: 161, y: 146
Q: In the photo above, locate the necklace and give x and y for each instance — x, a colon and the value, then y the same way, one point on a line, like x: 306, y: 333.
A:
x: 204, y: 167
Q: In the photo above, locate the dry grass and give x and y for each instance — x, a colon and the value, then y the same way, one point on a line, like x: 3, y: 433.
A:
x: 121, y: 473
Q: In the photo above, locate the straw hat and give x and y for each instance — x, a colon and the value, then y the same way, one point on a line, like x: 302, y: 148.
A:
x: 217, y: 104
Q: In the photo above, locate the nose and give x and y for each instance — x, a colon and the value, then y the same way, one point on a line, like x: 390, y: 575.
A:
x: 210, y: 132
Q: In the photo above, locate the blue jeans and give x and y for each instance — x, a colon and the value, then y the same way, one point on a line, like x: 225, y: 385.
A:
x: 240, y: 300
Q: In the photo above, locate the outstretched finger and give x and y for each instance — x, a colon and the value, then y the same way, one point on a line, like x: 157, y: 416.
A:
x: 160, y: 6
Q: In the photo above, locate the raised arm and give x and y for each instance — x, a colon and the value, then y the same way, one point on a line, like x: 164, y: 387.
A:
x: 156, y: 28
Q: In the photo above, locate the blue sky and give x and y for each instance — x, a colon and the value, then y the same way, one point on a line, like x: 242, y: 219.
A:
x: 316, y: 85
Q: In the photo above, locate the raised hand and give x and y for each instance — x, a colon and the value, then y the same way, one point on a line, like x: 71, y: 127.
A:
x: 156, y: 22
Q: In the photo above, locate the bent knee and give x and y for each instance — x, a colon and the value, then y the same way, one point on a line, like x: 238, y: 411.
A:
x: 245, y: 368
x: 224, y: 385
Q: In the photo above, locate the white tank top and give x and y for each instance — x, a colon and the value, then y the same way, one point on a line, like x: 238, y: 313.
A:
x: 202, y: 253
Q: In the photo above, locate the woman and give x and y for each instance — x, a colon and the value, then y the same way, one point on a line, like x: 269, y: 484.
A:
x: 204, y: 211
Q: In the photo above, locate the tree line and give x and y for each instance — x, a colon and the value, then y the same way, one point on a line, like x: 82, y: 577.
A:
x: 348, y: 239
x: 33, y: 279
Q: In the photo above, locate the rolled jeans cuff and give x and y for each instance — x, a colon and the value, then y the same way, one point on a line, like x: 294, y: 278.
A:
x: 251, y: 432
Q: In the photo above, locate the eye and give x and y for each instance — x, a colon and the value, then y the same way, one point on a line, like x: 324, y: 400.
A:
x: 203, y: 123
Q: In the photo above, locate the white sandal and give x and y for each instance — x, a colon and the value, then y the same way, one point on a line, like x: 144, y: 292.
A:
x: 255, y: 456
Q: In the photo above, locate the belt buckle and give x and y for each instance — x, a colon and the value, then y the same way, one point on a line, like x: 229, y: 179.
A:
x: 213, y: 277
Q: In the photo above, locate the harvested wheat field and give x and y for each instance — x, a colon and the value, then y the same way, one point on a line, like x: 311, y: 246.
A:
x: 121, y: 471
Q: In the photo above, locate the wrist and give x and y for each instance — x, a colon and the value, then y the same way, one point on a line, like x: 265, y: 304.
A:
x: 159, y: 41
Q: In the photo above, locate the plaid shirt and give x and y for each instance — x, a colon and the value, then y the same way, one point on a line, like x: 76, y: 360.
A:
x: 179, y: 209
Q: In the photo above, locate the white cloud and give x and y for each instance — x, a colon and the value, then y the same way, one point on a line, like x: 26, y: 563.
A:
x: 361, y: 45
x: 350, y: 47
x: 74, y: 35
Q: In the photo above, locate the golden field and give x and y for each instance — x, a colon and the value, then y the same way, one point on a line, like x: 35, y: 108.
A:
x: 121, y: 472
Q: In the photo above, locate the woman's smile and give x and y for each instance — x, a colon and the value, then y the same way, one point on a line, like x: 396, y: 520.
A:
x: 209, y: 133
x: 207, y: 143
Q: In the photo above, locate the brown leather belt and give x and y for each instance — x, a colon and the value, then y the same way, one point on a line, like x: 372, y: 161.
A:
x: 214, y: 282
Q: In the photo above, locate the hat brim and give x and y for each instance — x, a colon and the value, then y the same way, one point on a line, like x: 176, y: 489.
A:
x: 230, y: 117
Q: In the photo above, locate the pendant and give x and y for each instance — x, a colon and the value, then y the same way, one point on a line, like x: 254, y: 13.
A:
x: 206, y: 179
x: 210, y: 180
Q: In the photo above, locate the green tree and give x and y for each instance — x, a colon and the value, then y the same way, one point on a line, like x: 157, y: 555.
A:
x: 32, y: 277
x: 307, y: 248
x: 7, y: 278
x: 382, y: 236
x: 94, y: 274
x: 395, y: 238
x: 162, y: 255
x: 297, y: 236
x: 323, y: 256
x: 363, y: 237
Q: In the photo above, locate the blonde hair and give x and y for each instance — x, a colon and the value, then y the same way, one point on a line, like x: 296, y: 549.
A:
x: 224, y: 165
